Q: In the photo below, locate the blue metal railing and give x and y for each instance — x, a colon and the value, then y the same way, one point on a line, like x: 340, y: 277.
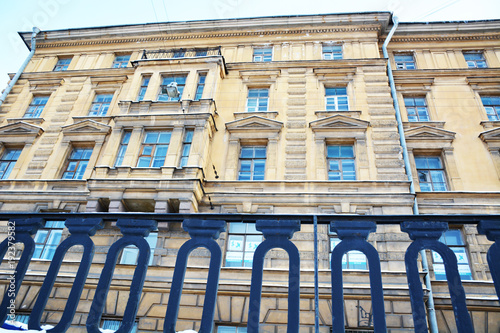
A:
x: 204, y: 229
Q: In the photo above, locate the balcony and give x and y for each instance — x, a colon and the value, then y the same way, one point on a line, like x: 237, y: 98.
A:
x: 181, y: 53
x: 378, y: 291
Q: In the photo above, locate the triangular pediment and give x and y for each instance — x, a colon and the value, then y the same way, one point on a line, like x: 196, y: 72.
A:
x: 490, y: 135
x: 254, y: 123
x: 88, y: 126
x: 20, y: 128
x: 338, y: 122
x: 429, y: 133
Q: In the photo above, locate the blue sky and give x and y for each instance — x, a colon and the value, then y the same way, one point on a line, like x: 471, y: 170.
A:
x: 22, y: 15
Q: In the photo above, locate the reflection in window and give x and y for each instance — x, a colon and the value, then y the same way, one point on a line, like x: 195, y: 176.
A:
x: 47, y: 240
x: 36, y: 107
x: 7, y: 162
x: 242, y: 242
x: 417, y: 109
x: 77, y: 163
x: 231, y: 329
x: 492, y: 106
x: 350, y: 260
x: 123, y: 148
x: 166, y: 80
x: 121, y: 61
x: 252, y: 163
x: 454, y: 239
x: 144, y: 87
x: 154, y: 150
x: 257, y: 100
x: 431, y: 175
x: 332, y: 52
x: 100, y: 105
x: 475, y: 60
x: 186, y: 147
x: 341, y: 163
x: 130, y: 254
x: 113, y: 325
x: 336, y: 99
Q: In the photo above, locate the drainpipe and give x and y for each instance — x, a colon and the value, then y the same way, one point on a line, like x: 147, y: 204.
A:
x: 431, y: 312
x: 23, y: 66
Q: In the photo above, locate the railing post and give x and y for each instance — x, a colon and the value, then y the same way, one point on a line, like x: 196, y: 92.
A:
x: 203, y: 234
x: 277, y: 234
x: 353, y: 236
x: 425, y: 235
x: 492, y: 231
x: 19, y: 231
x: 134, y: 232
x: 81, y: 230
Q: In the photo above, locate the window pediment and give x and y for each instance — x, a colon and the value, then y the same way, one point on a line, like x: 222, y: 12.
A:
x: 491, y: 137
x: 262, y: 76
x: 339, y: 122
x: 429, y: 133
x: 254, y: 123
x: 86, y: 130
x: 20, y: 132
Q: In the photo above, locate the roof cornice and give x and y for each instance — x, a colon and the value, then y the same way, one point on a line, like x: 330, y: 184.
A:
x: 374, y: 21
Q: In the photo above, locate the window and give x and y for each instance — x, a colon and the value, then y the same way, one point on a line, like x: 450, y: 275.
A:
x: 492, y: 106
x: 453, y: 238
x: 123, y: 148
x: 350, y: 260
x: 62, y: 64
x: 121, y: 61
x: 336, y: 99
x: 100, y: 105
x: 113, y: 325
x: 475, y: 59
x: 154, y: 150
x: 340, y: 161
x: 77, y: 163
x: 252, y: 163
x: 181, y: 82
x: 201, y: 52
x: 431, y: 175
x: 263, y: 54
x: 36, y: 107
x: 47, y: 240
x: 257, y: 100
x: 332, y: 52
x: 231, y: 329
x: 201, y: 86
x: 7, y: 162
x: 23, y: 319
x: 242, y: 241
x: 186, y: 147
x: 144, y: 87
x: 404, y: 61
x: 179, y: 53
x: 416, y: 108
x: 130, y: 253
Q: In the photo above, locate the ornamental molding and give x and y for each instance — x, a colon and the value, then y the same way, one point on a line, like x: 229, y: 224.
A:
x: 20, y: 132
x: 429, y: 133
x: 440, y: 39
x: 208, y: 35
x: 339, y: 122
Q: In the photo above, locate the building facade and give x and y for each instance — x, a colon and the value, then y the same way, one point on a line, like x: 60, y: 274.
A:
x: 275, y: 115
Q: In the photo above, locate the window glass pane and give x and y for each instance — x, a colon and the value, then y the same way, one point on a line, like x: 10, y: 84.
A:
x: 234, y: 259
x: 143, y: 162
x: 235, y: 243
x: 237, y: 227
x: 346, y: 151
x: 333, y: 151
x: 252, y: 242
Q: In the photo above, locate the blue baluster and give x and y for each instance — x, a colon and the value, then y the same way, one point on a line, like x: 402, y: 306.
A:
x: 19, y: 231
x: 354, y: 235
x: 203, y: 234
x: 81, y: 230
x: 134, y: 232
x: 277, y: 234
x: 425, y: 235
x: 492, y: 231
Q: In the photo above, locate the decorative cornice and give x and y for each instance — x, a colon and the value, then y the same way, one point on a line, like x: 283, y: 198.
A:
x: 426, y: 39
x: 208, y: 35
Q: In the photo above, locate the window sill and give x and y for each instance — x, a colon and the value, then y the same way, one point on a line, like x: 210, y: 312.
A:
x: 103, y: 120
x: 263, y: 114
x: 33, y: 121
x: 325, y: 114
x: 415, y: 124
x: 204, y: 105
